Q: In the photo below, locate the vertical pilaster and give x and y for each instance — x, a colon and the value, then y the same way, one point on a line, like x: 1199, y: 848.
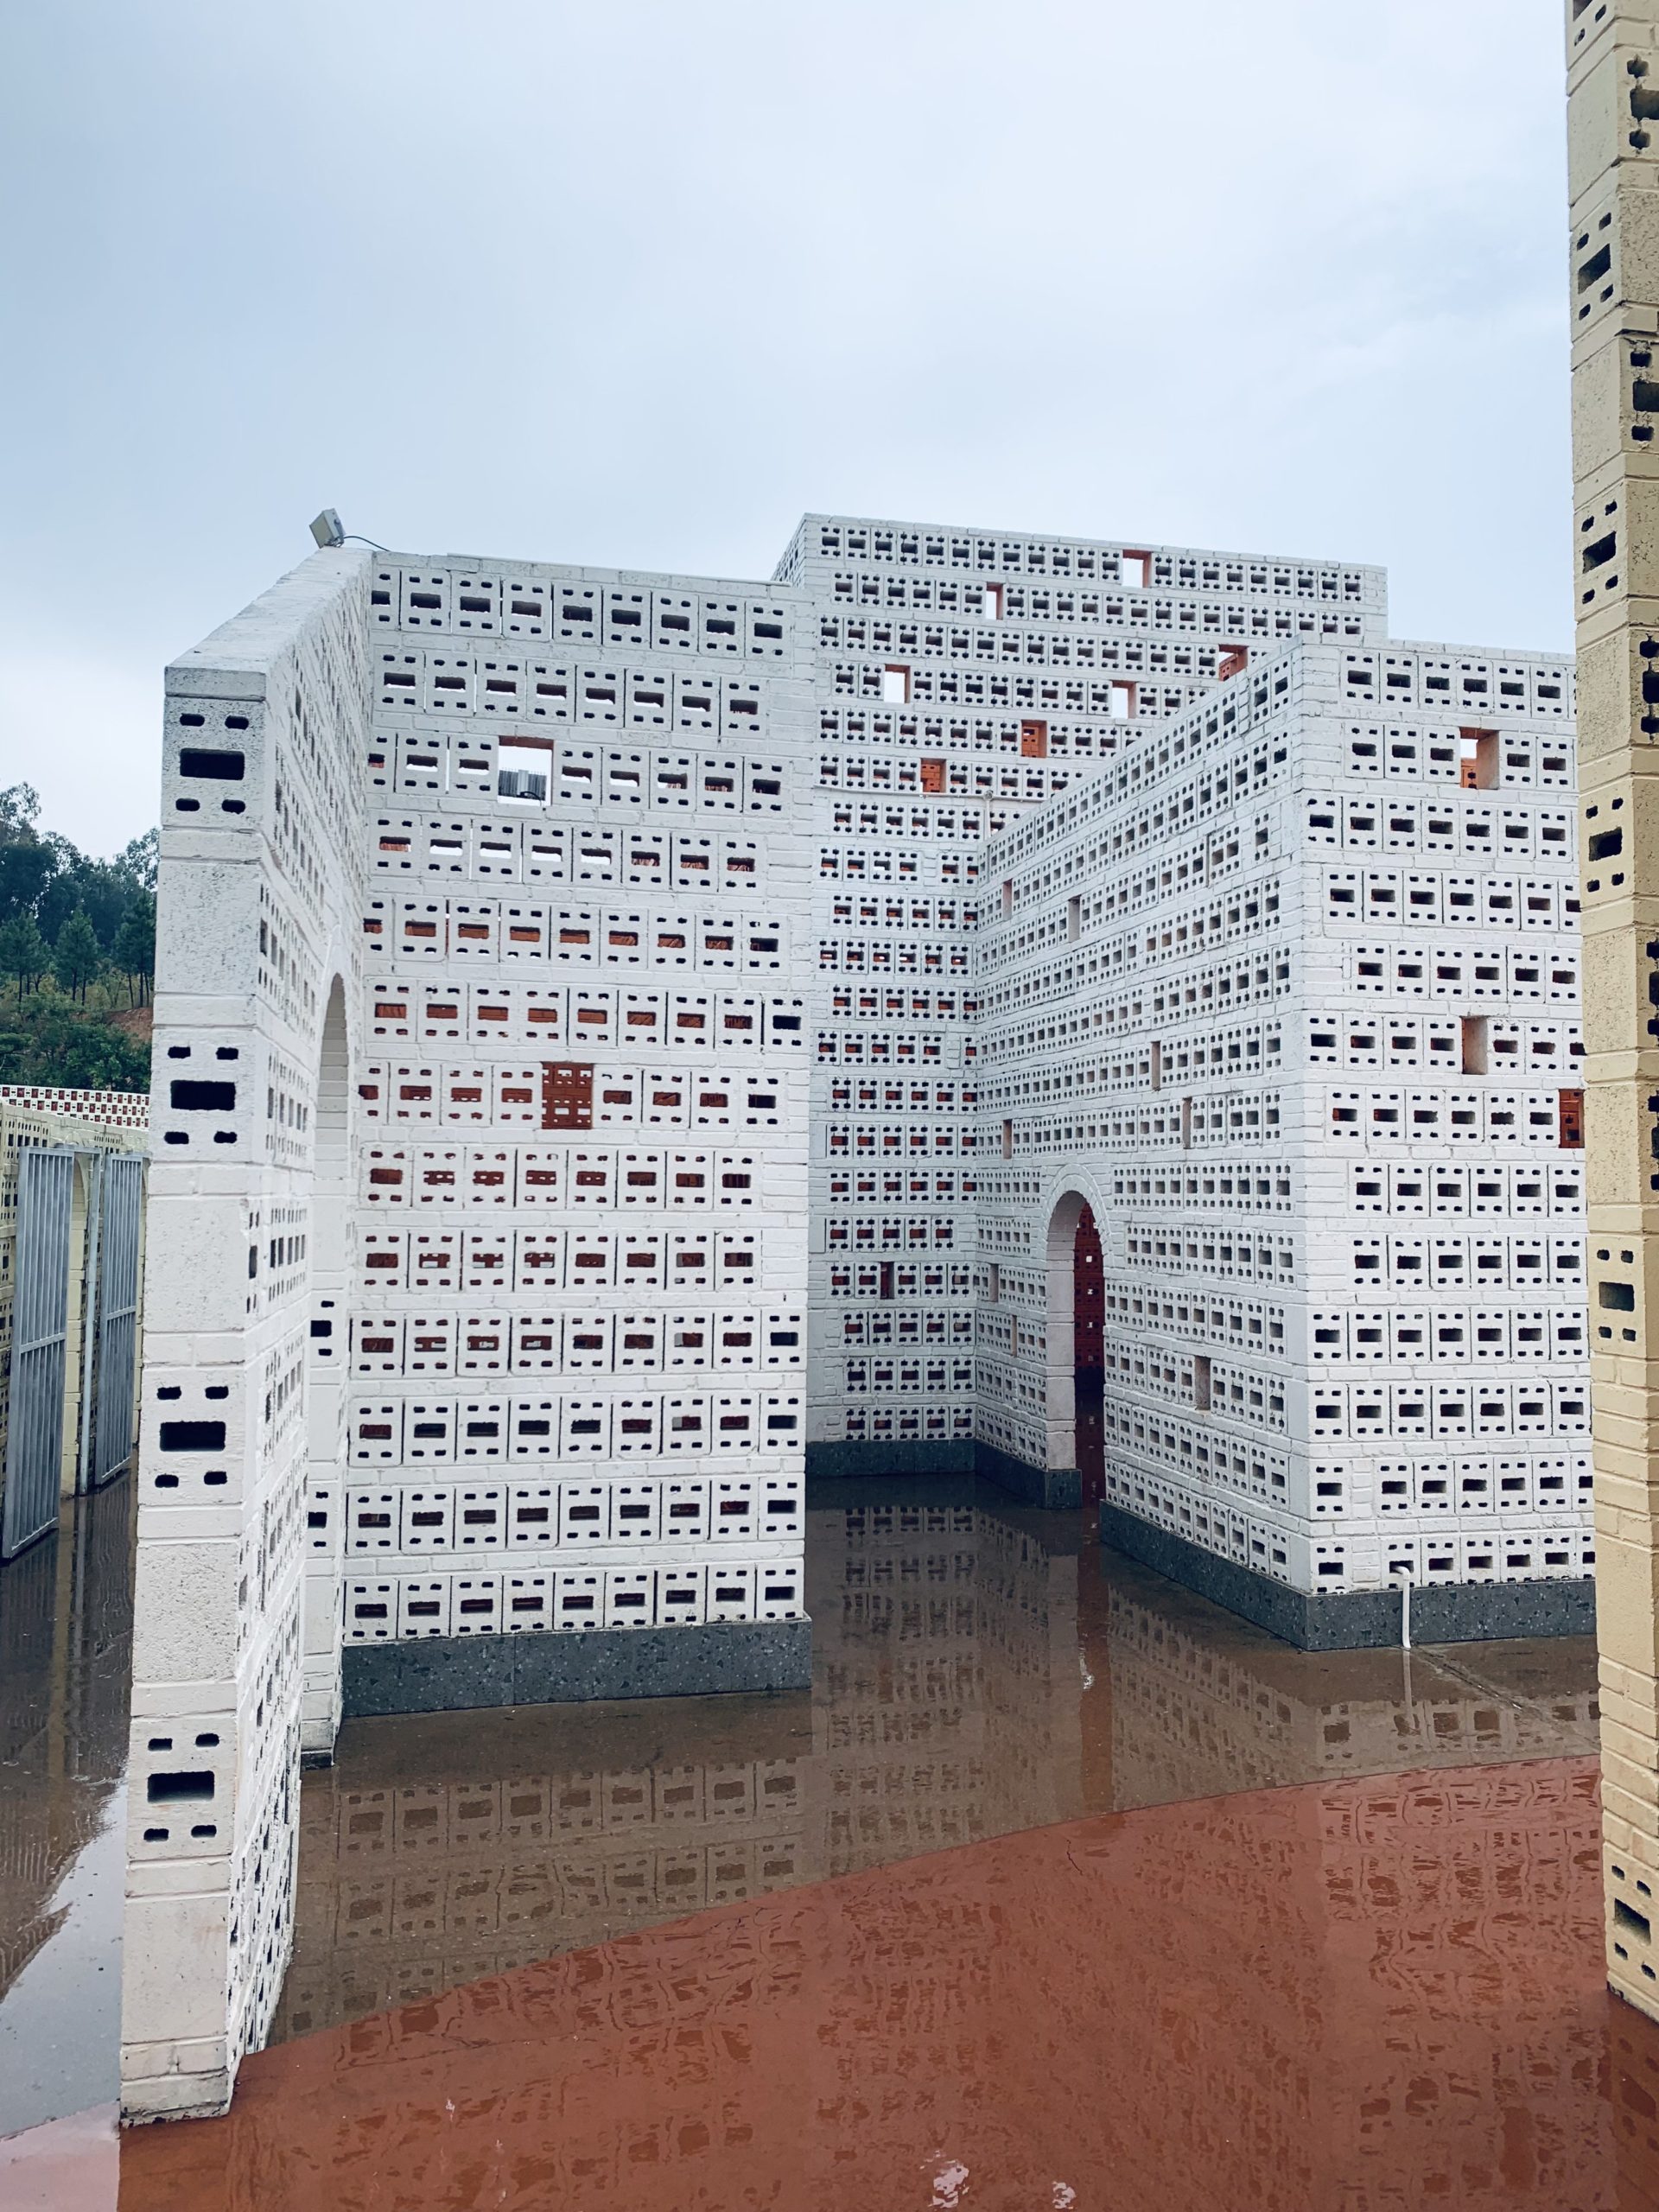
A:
x: 257, y: 916
x: 1614, y: 161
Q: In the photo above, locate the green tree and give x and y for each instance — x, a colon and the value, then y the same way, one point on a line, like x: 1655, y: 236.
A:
x: 134, y: 950
x: 26, y: 867
x: 102, y: 889
x: 19, y: 809
x: 91, y: 1055
x: 23, y: 953
x: 76, y: 958
x: 139, y: 859
x: 27, y: 861
x: 50, y: 1041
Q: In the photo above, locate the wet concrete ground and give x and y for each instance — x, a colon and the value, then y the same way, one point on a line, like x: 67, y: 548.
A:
x: 983, y: 1678
x: 1338, y: 1997
x: 66, y: 1634
x: 978, y: 1671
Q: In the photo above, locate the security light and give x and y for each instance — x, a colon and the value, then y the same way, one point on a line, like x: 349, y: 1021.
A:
x: 328, y: 529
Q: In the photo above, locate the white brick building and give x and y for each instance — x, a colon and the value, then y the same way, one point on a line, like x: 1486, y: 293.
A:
x: 524, y: 930
x: 964, y: 678
x: 475, y: 1371
x: 1288, y: 998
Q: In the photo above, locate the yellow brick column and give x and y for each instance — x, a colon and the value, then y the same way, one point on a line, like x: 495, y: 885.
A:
x: 1613, y: 165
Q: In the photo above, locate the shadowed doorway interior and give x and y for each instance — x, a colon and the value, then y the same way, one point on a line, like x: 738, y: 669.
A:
x: 1086, y: 1317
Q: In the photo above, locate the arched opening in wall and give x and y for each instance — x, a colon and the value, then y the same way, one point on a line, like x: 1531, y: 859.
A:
x: 1088, y: 1312
x: 1074, y: 1316
x: 329, y: 1299
x: 331, y: 1187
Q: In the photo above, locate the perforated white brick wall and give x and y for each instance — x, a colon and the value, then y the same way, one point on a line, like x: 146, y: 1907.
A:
x: 576, y: 1355
x: 522, y: 928
x: 1290, y: 996
x: 965, y: 677
x: 256, y: 990
x: 477, y: 1254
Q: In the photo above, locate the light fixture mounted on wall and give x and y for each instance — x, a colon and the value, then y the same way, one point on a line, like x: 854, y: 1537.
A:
x: 329, y: 531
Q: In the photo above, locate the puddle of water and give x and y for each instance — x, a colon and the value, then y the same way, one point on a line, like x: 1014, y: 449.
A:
x: 1377, y: 1991
x: 60, y: 2019
x: 978, y: 1671
x: 66, y: 1620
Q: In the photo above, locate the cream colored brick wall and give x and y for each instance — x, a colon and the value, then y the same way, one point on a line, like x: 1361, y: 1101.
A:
x: 1613, y: 77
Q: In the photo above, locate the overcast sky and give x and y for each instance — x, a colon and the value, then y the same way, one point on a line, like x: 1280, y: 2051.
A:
x: 636, y: 281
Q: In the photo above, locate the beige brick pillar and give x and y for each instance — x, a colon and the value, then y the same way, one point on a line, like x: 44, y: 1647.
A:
x: 1613, y: 135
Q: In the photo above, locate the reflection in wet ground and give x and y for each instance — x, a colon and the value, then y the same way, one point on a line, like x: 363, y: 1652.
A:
x: 981, y: 1673
x: 983, y: 1677
x: 65, y: 1633
x: 978, y: 1671
x: 1357, y: 1993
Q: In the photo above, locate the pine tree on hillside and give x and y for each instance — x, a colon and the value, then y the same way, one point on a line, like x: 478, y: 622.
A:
x: 24, y: 954
x: 76, y: 958
x: 134, y: 950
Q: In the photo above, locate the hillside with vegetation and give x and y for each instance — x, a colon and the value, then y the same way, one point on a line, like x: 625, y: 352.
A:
x: 77, y: 956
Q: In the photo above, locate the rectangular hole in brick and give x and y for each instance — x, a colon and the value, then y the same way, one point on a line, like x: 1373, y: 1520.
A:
x: 165, y: 1789
x: 1627, y: 1916
x: 214, y: 765
x: 193, y: 1436
x: 1477, y: 759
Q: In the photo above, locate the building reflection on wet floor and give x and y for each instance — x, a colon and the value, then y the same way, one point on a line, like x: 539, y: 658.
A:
x: 701, y: 1952
x: 65, y: 1653
x: 975, y: 1674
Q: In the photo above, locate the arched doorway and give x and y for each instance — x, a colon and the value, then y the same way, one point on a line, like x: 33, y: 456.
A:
x: 330, y: 1255
x: 330, y: 1171
x: 1074, y: 1317
x: 1088, y: 1314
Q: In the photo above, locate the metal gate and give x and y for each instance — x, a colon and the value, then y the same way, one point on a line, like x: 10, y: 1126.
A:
x: 112, y: 1324
x: 45, y: 1191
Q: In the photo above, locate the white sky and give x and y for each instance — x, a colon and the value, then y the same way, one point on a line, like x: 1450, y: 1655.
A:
x: 635, y: 282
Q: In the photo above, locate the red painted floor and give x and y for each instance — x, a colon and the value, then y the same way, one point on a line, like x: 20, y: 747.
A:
x: 1340, y: 1997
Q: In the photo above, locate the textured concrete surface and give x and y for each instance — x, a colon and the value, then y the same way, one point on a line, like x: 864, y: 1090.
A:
x: 449, y: 1674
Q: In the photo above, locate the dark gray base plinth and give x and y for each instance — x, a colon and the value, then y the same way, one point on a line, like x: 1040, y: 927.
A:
x: 1355, y: 1620
x: 1058, y: 1489
x: 449, y: 1674
x: 951, y: 1455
